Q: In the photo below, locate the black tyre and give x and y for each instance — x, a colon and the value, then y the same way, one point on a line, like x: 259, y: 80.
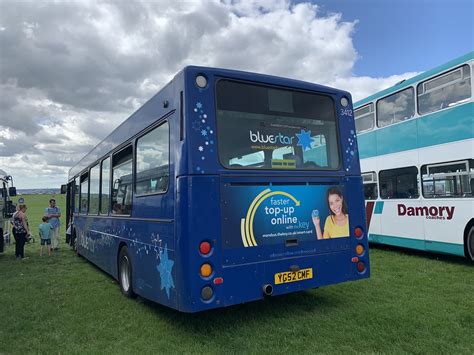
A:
x: 125, y: 273
x: 470, y: 244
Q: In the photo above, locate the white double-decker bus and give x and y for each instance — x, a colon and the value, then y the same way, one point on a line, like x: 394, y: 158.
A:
x: 416, y: 145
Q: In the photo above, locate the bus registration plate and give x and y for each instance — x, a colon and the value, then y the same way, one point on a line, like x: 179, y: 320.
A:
x: 293, y: 276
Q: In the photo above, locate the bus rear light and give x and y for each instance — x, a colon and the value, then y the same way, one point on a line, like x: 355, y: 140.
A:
x: 205, y: 248
x: 207, y: 293
x: 360, y: 267
x: 360, y: 249
x: 218, y: 280
x: 358, y: 232
x: 206, y: 270
x: 355, y: 259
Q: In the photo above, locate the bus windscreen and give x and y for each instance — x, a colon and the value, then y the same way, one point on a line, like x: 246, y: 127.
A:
x: 263, y: 127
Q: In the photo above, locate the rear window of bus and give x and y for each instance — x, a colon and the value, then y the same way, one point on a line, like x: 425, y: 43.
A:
x: 262, y: 127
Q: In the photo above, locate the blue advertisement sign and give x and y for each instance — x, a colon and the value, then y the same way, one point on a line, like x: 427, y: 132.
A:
x: 265, y: 215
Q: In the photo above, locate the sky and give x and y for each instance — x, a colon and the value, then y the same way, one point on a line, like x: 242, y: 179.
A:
x: 72, y: 71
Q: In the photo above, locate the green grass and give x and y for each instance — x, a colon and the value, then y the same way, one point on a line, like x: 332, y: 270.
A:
x: 413, y: 303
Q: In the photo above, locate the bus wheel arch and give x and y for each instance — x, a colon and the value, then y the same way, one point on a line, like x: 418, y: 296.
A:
x: 469, y: 240
x: 125, y: 271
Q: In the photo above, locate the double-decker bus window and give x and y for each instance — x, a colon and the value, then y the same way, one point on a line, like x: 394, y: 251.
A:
x: 370, y: 185
x: 122, y: 182
x: 94, y: 179
x: 399, y: 183
x: 450, y: 179
x: 105, y: 187
x: 447, y: 90
x: 364, y: 118
x: 153, y: 161
x: 268, y: 128
x: 84, y: 193
x: 396, y: 108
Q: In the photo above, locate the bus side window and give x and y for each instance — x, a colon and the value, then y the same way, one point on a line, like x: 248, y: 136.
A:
x: 446, y: 90
x: 448, y: 179
x: 370, y: 185
x: 152, y: 163
x: 122, y: 178
x: 399, y: 183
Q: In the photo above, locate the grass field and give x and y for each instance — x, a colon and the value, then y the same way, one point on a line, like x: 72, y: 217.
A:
x: 414, y: 303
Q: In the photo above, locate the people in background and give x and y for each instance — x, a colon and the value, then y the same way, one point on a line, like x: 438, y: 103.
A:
x: 20, y: 230
x: 53, y: 213
x: 45, y: 230
x: 337, y: 223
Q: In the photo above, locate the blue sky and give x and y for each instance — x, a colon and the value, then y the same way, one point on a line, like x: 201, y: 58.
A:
x: 406, y: 36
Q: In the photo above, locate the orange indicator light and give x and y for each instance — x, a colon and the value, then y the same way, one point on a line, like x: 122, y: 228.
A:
x: 360, y: 249
x: 206, y: 270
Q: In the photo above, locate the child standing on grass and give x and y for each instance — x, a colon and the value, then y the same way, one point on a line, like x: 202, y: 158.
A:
x: 45, y: 235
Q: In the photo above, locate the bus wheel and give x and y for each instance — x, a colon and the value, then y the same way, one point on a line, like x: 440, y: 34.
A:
x: 470, y: 244
x: 125, y: 273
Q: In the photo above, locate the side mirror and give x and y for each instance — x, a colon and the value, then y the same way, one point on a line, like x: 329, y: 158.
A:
x: 63, y: 189
x: 12, y: 191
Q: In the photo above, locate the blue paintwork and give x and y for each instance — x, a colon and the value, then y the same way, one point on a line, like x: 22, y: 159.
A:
x: 440, y: 127
x: 165, y: 230
x: 379, y: 207
x: 418, y: 244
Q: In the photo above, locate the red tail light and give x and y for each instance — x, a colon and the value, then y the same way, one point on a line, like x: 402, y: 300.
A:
x: 360, y: 266
x: 358, y: 232
x: 205, y: 248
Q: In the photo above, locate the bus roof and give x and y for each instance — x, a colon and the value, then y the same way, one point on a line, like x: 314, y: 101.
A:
x: 417, y: 78
x: 153, y: 109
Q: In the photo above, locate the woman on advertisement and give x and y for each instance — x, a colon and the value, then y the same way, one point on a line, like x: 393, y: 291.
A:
x: 337, y: 223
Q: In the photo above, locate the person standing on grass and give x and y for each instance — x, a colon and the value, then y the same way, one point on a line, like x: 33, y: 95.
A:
x: 20, y: 230
x: 45, y: 229
x: 53, y: 213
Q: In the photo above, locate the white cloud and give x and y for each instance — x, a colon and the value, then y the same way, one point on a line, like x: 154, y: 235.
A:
x: 72, y: 71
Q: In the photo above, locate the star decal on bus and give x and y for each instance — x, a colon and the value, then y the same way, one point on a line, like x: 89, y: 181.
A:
x: 305, y: 139
x: 164, y: 268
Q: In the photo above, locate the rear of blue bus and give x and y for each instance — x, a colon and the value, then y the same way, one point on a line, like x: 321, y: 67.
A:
x: 269, y: 194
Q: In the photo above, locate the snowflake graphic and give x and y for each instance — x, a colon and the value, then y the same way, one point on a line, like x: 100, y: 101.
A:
x: 203, y: 132
x: 305, y: 139
x: 200, y: 148
x: 164, y: 268
x: 199, y: 105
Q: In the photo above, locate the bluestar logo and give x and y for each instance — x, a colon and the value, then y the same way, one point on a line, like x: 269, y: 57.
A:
x: 270, y: 138
x: 304, y: 138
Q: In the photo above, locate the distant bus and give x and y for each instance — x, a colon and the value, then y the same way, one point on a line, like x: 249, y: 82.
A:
x: 416, y: 147
x: 225, y: 187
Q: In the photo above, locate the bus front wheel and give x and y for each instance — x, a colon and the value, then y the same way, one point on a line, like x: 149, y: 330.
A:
x: 470, y: 244
x: 125, y: 273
